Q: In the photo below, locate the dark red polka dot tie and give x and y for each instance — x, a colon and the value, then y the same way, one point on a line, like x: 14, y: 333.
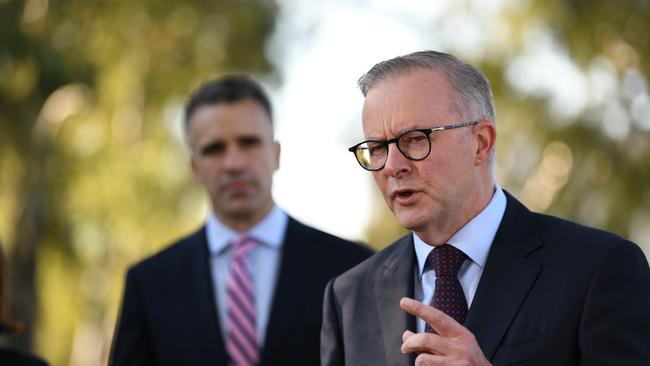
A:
x: 448, y: 296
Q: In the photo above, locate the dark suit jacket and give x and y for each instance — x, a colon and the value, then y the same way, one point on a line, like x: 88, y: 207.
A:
x: 18, y: 358
x: 552, y: 293
x: 169, y: 315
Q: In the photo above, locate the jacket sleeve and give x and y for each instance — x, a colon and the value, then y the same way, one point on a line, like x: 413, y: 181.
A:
x: 131, y: 341
x: 615, y: 324
x: 331, y: 349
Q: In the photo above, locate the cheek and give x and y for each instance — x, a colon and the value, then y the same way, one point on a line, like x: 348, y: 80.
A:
x: 381, y: 182
x: 265, y: 169
x: 212, y: 179
x: 203, y: 171
x: 264, y: 161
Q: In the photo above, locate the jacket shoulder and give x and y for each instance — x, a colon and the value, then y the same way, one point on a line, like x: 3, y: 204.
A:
x: 170, y: 256
x: 565, y: 241
x: 326, y: 242
x: 558, y: 231
x: 18, y: 358
x: 555, y: 226
x: 560, y: 237
x: 366, y: 272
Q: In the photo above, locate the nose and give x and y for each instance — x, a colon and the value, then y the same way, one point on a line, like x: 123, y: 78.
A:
x: 235, y: 159
x: 396, y: 163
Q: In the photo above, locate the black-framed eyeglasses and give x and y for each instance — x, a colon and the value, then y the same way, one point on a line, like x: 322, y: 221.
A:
x: 414, y: 145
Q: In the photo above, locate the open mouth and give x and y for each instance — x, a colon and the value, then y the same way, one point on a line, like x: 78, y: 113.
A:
x: 404, y: 193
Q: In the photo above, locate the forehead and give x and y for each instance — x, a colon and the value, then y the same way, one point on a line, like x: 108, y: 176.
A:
x: 417, y: 99
x: 229, y: 120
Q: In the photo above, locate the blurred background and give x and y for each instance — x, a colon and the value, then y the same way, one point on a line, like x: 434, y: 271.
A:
x: 94, y: 172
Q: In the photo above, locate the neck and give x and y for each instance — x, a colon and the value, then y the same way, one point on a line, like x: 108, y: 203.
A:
x: 439, y: 233
x: 242, y: 223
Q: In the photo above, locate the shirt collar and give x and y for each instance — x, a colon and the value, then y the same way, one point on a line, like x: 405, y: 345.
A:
x: 474, y: 238
x: 269, y: 232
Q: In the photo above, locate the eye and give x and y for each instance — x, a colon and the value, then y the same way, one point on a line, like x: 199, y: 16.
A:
x: 413, y: 139
x: 375, y: 149
x: 214, y: 148
x: 249, y: 142
x: 416, y: 138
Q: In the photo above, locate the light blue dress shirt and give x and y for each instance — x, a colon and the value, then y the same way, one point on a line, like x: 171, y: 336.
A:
x: 475, y: 240
x: 263, y: 260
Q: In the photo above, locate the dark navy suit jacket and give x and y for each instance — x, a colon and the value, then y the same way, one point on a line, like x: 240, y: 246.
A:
x: 17, y: 358
x: 169, y: 315
x: 552, y: 293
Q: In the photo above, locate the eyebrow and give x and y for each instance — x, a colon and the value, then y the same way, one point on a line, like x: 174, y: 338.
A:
x: 399, y: 133
x: 221, y: 144
x: 211, y: 146
x: 409, y: 129
x: 249, y: 138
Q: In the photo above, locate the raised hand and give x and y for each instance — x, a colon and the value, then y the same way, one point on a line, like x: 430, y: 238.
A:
x: 452, y: 345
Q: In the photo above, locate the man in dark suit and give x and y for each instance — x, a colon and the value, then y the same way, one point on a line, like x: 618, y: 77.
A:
x: 247, y: 288
x: 481, y: 279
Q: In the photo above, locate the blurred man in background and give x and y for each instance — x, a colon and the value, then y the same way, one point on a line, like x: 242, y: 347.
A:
x: 247, y: 288
x: 494, y: 282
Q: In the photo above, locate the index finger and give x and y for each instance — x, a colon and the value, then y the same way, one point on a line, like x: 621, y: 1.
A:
x: 442, y: 323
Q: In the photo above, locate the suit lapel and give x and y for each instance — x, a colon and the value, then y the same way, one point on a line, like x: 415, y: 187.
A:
x: 201, y: 301
x: 394, y: 281
x: 508, y: 275
x: 299, y: 263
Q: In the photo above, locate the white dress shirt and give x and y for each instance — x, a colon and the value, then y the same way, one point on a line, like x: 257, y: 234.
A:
x: 263, y: 260
x: 475, y: 240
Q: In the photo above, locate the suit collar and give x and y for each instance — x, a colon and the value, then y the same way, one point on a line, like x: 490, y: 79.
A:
x: 395, y: 280
x: 299, y: 266
x: 200, y: 297
x: 270, y: 231
x: 508, y: 275
x: 475, y: 237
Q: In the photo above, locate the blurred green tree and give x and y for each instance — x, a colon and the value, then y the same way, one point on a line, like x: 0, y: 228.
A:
x: 92, y: 168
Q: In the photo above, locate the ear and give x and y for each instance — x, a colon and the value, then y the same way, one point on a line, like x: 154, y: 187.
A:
x: 276, y: 151
x: 486, y: 134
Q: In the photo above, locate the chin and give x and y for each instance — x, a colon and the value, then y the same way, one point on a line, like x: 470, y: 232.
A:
x: 410, y: 222
x: 241, y: 210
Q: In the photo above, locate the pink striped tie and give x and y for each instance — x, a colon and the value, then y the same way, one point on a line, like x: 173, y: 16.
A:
x: 241, y: 342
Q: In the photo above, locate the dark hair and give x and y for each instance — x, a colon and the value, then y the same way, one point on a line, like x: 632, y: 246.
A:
x: 227, y: 89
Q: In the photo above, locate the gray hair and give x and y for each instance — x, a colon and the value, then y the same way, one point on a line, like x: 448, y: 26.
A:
x: 473, y: 93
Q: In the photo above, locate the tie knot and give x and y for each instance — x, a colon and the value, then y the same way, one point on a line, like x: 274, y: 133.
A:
x: 242, y: 244
x: 446, y: 260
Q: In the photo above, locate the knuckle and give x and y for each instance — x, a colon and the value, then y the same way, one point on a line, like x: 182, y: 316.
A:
x: 423, y: 359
